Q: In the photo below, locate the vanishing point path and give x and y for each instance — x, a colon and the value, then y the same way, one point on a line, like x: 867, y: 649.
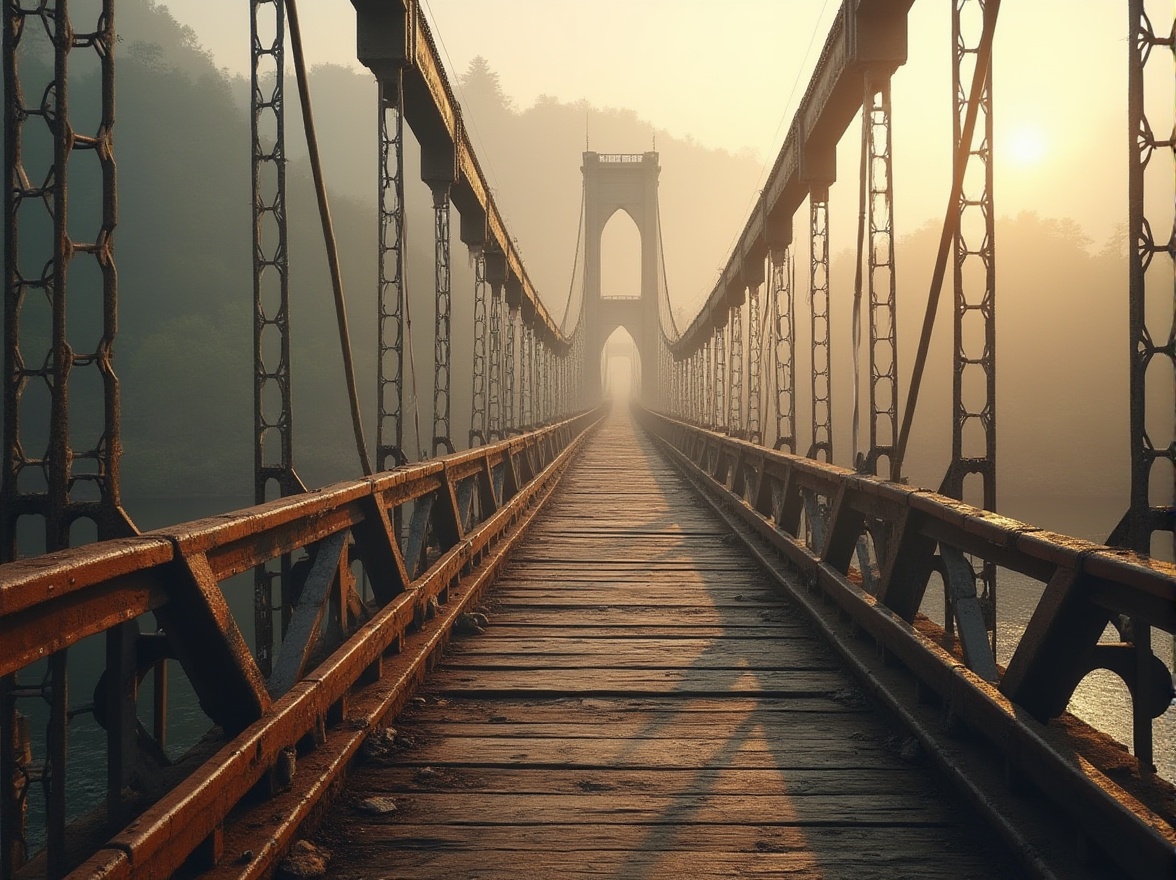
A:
x: 644, y: 704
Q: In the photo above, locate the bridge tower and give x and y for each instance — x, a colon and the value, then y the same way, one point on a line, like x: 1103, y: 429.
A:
x: 621, y: 182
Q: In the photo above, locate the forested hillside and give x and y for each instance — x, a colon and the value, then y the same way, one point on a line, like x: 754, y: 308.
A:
x: 183, y: 249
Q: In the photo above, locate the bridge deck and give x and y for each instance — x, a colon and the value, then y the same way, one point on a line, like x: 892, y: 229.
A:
x: 644, y: 705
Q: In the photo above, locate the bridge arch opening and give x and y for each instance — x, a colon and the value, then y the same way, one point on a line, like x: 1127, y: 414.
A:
x: 620, y: 366
x: 620, y: 257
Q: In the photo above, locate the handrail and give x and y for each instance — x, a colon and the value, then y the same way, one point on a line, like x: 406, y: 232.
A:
x: 783, y: 496
x: 458, y: 510
x: 863, y: 37
x: 396, y: 39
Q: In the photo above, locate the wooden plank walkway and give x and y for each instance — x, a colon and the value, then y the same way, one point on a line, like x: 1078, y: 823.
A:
x: 643, y: 705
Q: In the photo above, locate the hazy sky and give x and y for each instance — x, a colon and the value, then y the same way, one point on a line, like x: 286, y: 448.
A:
x: 726, y: 75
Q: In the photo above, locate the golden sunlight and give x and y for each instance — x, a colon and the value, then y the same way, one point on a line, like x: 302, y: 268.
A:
x: 1025, y: 145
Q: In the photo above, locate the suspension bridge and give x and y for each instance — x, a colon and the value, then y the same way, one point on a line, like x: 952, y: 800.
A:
x: 679, y: 640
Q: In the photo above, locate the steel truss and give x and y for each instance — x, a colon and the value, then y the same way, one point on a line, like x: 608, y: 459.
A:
x: 526, y: 376
x: 881, y: 276
x: 391, y: 287
x: 510, y: 411
x: 61, y: 459
x: 1152, y: 267
x: 755, y: 341
x: 974, y: 324
x: 478, y: 422
x: 735, y: 370
x: 442, y: 372
x: 495, y: 397
x: 784, y: 350
x: 272, y: 406
x: 819, y: 286
x: 719, y: 379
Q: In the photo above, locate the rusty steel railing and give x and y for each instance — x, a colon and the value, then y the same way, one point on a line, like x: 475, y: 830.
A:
x: 819, y: 517
x: 289, y: 737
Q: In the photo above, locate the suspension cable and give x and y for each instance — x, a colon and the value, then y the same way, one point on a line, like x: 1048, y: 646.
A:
x: 563, y: 323
x: 857, y: 282
x: 661, y: 250
x: 328, y: 234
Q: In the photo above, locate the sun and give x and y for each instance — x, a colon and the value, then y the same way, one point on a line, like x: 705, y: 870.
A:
x: 1025, y: 145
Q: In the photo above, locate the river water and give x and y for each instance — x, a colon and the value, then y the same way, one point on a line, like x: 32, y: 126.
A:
x: 1101, y: 699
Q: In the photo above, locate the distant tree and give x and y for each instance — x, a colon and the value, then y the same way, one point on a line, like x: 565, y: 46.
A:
x: 480, y: 87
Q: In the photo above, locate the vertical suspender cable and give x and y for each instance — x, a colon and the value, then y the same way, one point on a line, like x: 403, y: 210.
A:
x: 857, y: 277
x: 950, y: 223
x: 320, y: 190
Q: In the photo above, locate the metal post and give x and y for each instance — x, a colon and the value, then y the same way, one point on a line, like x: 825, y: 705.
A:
x: 53, y: 778
x: 696, y: 386
x: 478, y: 423
x: 542, y: 380
x: 700, y: 384
x: 494, y: 402
x: 391, y: 287
x: 525, y: 377
x: 720, y: 381
x: 1151, y: 266
x: 708, y: 382
x: 442, y: 439
x: 784, y: 349
x: 510, y: 415
x: 883, y: 315
x: 273, y: 445
x: 974, y: 325
x: 75, y: 475
x: 755, y: 340
x: 735, y: 369
x: 821, y: 384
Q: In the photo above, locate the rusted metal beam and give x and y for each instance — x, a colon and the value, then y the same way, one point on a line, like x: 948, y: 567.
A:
x: 395, y: 42
x: 160, y: 840
x: 924, y: 521
x: 210, y: 646
x: 302, y: 634
x: 50, y: 603
x: 867, y: 37
x: 1137, y: 839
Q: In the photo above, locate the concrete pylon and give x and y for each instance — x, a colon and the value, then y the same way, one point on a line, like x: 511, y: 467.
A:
x: 621, y: 182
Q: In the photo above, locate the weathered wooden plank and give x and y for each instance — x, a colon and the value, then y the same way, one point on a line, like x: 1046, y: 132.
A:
x: 767, y: 730
x: 519, y: 624
x: 747, y: 749
x: 633, y: 850
x: 643, y: 705
x: 797, y: 782
x: 738, y: 645
x: 683, y: 682
x: 694, y: 805
x: 726, y: 653
x: 605, y: 710
x: 682, y: 621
